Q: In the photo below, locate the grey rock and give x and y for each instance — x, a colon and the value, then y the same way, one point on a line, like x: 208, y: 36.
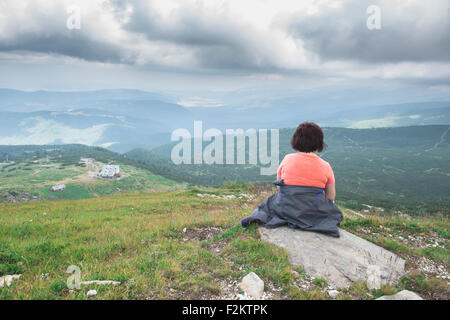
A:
x: 333, y: 293
x: 100, y: 282
x: 402, y: 295
x: 252, y: 285
x: 91, y: 293
x: 8, y: 279
x: 339, y: 260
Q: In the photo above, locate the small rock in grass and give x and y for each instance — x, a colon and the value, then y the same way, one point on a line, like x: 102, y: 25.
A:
x: 242, y: 296
x: 100, y: 282
x: 333, y: 293
x: 184, y: 230
x: 8, y: 279
x: 402, y: 295
x: 252, y: 285
x: 91, y: 293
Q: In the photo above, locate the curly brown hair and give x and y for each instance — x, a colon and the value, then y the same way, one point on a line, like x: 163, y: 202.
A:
x: 308, y: 137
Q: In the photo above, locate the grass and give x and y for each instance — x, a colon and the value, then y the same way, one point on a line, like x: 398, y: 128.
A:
x: 129, y: 237
x: 37, y: 179
x: 170, y: 245
x: 321, y: 282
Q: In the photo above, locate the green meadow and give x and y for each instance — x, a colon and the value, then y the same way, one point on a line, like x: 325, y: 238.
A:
x: 81, y: 182
x: 177, y: 245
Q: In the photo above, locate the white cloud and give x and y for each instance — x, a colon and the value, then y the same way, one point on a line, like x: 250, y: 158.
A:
x: 45, y: 131
x: 389, y: 121
x: 273, y: 38
x: 107, y: 144
x: 200, y: 102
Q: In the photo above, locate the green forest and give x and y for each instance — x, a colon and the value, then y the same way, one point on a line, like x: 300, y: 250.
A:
x: 404, y: 167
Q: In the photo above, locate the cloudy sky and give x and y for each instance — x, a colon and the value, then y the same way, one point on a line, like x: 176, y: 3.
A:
x: 225, y: 44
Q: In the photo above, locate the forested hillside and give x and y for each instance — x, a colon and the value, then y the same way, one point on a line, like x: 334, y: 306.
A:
x: 392, y: 167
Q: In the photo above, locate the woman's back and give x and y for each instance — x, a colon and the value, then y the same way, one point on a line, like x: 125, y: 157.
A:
x: 305, y: 169
x: 299, y: 202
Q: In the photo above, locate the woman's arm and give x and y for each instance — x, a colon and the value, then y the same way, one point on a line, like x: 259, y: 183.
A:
x: 278, y: 177
x: 330, y: 191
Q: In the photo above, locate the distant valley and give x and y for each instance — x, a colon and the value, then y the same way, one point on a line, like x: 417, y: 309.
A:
x: 122, y: 120
x: 392, y: 155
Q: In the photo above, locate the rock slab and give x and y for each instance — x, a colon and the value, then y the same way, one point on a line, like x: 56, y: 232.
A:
x: 252, y: 285
x: 402, y: 295
x: 339, y: 260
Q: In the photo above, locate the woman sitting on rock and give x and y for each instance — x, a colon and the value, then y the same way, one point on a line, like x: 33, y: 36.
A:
x: 306, y: 188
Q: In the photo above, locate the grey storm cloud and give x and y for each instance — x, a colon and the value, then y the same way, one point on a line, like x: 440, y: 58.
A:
x: 410, y: 31
x: 45, y: 31
x: 217, y: 40
x: 73, y: 45
x: 192, y: 37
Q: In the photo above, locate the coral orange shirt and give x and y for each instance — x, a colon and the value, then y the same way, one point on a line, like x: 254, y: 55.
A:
x: 303, y: 169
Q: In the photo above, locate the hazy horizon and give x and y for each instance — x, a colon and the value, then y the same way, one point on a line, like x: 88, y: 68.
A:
x: 198, y: 49
x: 229, y: 63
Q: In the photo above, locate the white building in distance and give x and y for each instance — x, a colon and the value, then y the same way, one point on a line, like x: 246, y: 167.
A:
x: 87, y: 160
x: 59, y: 187
x: 110, y: 171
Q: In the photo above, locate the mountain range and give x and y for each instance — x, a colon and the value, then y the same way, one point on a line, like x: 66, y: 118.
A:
x: 122, y: 120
